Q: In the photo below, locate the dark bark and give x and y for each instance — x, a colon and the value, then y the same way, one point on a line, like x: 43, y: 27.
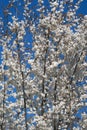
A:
x: 23, y: 88
x: 43, y: 87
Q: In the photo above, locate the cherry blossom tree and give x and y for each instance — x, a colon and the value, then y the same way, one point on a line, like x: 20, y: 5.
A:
x: 43, y: 76
x: 58, y: 65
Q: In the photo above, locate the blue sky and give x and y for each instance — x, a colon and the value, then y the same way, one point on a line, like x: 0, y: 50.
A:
x: 83, y: 8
